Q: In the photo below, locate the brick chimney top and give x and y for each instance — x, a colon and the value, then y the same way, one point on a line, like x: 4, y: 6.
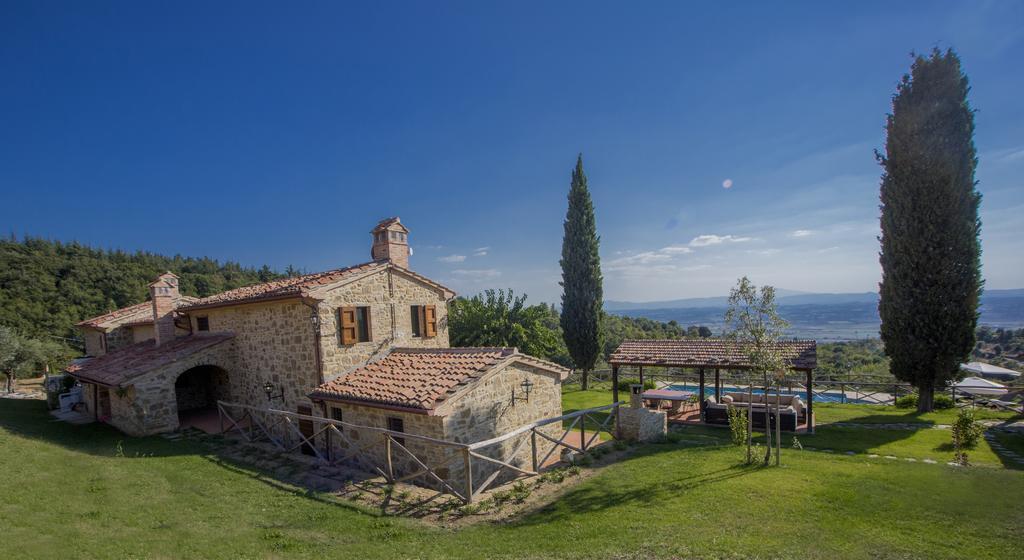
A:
x: 163, y: 293
x: 391, y: 242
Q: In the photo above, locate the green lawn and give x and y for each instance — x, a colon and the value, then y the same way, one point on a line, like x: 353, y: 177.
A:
x: 70, y: 493
x: 827, y: 413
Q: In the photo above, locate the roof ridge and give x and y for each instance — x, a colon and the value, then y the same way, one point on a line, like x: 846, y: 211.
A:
x: 505, y: 350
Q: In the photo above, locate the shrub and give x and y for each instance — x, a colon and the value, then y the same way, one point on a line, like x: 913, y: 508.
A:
x: 520, y: 492
x: 966, y: 433
x: 942, y: 401
x: 625, y: 383
x: 737, y: 426
x: 907, y: 401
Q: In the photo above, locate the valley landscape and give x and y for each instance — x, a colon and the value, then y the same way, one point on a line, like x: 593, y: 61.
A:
x: 823, y: 317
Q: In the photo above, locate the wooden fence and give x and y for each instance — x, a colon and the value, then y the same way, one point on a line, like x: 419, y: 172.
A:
x: 282, y: 430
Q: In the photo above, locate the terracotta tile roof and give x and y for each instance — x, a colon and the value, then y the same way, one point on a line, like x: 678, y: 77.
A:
x: 124, y: 364
x: 801, y: 354
x: 133, y: 315
x: 388, y: 222
x: 421, y: 378
x: 298, y: 286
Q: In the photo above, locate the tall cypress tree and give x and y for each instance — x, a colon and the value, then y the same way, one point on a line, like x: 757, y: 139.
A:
x: 931, y: 250
x: 582, y: 295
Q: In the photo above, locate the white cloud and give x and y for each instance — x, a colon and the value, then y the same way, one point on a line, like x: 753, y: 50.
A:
x: 802, y: 233
x: 452, y: 258
x: 477, y: 274
x: 481, y: 251
x: 765, y: 252
x: 1008, y: 155
x: 675, y: 250
x: 705, y: 240
x: 727, y: 184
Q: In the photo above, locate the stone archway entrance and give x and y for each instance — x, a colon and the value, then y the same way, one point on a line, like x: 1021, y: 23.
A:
x: 196, y: 392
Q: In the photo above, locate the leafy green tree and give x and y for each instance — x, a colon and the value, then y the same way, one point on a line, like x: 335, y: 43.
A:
x: 753, y: 322
x: 26, y: 357
x: 499, y: 318
x: 582, y: 294
x: 48, y: 286
x: 931, y: 267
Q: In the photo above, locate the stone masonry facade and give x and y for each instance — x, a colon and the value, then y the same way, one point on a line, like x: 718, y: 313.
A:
x: 389, y: 295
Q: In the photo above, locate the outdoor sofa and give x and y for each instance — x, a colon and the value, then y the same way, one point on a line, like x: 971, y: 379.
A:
x: 791, y: 410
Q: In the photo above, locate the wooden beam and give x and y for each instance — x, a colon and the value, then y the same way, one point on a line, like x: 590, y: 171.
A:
x: 641, y: 377
x: 810, y: 401
x: 615, y: 393
x: 718, y: 386
x: 700, y: 393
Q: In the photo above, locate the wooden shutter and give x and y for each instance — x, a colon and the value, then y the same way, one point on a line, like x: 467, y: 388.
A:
x: 429, y: 321
x: 349, y: 327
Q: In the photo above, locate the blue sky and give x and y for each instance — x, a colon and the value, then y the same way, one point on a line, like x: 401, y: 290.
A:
x: 280, y: 133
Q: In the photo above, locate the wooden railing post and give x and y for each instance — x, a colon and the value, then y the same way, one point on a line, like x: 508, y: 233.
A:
x: 583, y: 432
x: 468, y: 463
x: 387, y: 458
x: 533, y: 444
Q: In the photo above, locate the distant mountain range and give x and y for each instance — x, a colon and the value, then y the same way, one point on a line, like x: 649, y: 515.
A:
x: 818, y: 316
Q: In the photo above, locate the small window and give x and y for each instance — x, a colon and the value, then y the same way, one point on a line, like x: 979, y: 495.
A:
x: 336, y: 414
x: 397, y: 425
x: 202, y: 323
x: 416, y: 317
x: 355, y: 325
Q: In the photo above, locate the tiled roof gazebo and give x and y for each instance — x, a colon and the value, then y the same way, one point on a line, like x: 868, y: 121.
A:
x: 708, y: 353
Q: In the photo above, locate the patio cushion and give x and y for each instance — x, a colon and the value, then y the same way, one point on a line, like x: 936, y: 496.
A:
x: 726, y: 399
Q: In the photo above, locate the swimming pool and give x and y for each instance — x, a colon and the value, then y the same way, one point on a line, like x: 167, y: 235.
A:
x: 833, y: 397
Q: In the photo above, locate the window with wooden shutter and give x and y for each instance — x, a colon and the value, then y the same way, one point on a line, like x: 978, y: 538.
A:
x: 355, y: 325
x: 429, y: 321
x: 348, y: 328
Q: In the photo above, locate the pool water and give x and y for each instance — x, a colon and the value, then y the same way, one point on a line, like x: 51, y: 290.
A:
x: 818, y: 397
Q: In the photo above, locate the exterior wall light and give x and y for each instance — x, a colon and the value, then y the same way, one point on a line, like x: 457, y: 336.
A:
x: 268, y: 387
x: 527, y: 386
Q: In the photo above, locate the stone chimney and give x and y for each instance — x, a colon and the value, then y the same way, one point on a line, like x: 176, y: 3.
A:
x: 391, y: 242
x: 164, y: 293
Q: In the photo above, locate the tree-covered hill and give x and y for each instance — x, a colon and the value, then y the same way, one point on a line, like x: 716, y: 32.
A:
x: 48, y: 286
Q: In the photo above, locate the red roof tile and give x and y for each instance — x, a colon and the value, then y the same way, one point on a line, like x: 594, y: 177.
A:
x: 124, y: 364
x: 421, y: 378
x: 801, y: 354
x: 298, y: 286
x: 131, y: 315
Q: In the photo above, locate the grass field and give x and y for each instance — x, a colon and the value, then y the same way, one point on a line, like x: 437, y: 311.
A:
x: 73, y: 491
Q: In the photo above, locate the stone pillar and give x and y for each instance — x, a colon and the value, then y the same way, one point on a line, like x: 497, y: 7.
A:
x: 636, y: 396
x: 164, y: 293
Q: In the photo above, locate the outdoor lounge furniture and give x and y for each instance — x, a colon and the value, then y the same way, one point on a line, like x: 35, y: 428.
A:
x: 676, y: 398
x: 791, y: 410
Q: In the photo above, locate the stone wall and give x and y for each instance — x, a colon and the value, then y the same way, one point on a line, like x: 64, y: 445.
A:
x: 487, y: 411
x: 144, y: 332
x: 373, y: 442
x: 149, y: 405
x: 389, y: 295
x: 93, y: 342
x: 275, y: 343
x: 642, y: 424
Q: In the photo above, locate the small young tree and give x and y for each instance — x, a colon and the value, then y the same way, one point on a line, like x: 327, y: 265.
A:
x: 10, y: 348
x: 966, y: 433
x: 931, y: 249
x: 753, y: 323
x: 582, y: 295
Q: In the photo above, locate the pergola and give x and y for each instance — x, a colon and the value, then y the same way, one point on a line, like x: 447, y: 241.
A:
x: 710, y: 354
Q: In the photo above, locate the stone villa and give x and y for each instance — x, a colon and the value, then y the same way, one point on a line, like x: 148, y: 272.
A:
x: 367, y: 344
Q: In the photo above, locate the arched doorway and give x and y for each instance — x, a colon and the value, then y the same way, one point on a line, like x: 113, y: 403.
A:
x: 196, y: 392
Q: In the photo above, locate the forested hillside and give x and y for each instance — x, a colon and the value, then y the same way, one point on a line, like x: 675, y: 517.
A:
x: 48, y: 286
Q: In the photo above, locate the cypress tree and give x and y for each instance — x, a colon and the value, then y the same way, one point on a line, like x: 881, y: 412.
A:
x: 582, y: 295
x: 931, y: 250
